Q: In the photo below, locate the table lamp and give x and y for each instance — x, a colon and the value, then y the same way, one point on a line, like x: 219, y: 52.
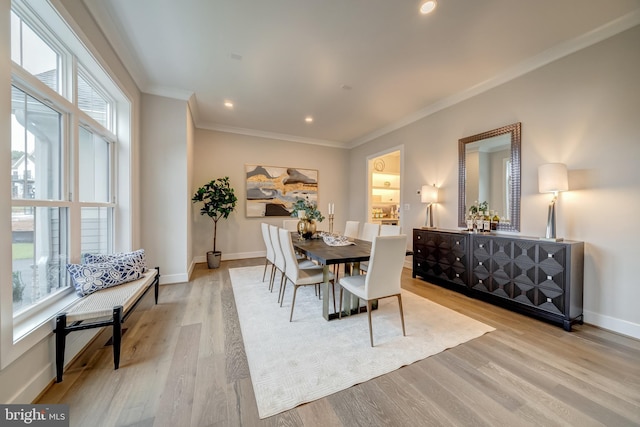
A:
x: 552, y: 178
x: 429, y: 195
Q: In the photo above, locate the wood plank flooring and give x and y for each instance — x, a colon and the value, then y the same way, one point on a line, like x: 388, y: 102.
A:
x: 183, y: 364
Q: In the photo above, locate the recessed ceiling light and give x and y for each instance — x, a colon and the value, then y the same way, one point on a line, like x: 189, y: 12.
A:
x: 428, y: 6
x: 228, y: 104
x: 308, y: 119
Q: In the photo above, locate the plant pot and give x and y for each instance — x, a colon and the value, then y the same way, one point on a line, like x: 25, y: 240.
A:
x: 213, y: 259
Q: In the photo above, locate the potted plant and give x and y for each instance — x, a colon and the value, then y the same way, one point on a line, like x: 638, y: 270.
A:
x: 219, y: 201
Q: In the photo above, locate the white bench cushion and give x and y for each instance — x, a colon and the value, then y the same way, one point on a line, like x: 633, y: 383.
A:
x: 101, y: 303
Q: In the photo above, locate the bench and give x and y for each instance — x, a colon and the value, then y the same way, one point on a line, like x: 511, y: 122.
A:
x: 106, y: 307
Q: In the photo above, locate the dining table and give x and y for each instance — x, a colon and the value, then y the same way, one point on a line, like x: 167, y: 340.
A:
x: 350, y: 255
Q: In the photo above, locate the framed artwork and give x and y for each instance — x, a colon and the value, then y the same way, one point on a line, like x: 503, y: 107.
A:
x: 272, y: 190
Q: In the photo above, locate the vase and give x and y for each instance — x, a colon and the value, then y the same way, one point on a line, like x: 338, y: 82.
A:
x: 306, y: 228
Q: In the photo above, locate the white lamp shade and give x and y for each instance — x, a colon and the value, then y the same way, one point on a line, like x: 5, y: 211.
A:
x: 429, y: 194
x: 552, y: 177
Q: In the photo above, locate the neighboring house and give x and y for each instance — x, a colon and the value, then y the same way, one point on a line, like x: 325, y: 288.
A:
x: 22, y: 177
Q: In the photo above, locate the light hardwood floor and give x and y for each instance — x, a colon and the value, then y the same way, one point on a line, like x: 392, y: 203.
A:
x: 183, y: 364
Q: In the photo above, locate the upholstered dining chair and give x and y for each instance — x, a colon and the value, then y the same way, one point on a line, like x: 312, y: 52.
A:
x: 383, y: 279
x: 298, y: 274
x: 279, y: 259
x: 369, y: 231
x: 351, y: 229
x: 389, y: 230
x: 385, y: 230
x: 269, y: 258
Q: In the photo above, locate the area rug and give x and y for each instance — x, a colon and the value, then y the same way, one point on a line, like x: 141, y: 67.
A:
x: 292, y: 363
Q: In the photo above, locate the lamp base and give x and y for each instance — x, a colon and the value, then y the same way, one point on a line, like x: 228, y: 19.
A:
x: 552, y: 239
x: 424, y: 227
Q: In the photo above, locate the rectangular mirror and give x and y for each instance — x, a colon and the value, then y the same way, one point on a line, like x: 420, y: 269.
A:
x: 489, y: 170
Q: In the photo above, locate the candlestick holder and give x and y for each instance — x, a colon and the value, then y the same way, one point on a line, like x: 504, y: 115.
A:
x: 330, y: 223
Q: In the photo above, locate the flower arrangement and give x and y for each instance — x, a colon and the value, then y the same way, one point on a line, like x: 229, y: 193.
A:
x: 310, y: 209
x: 478, y: 207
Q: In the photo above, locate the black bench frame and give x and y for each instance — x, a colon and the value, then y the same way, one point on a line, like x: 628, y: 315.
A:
x: 62, y: 329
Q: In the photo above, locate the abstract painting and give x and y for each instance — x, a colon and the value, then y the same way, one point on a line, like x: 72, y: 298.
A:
x: 272, y: 190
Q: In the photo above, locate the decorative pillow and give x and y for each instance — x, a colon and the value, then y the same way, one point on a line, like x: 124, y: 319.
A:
x: 132, y: 259
x: 88, y: 278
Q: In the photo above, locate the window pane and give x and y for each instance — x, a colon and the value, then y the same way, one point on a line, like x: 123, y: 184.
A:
x: 94, y: 167
x: 36, y: 148
x: 34, y: 54
x: 16, y: 53
x: 96, y: 230
x: 92, y: 103
x: 39, y: 254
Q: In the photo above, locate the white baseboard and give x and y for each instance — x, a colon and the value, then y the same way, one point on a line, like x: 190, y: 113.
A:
x: 166, y: 279
x: 613, y: 324
x: 232, y: 256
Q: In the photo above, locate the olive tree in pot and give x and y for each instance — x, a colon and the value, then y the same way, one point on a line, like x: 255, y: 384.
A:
x: 219, y: 201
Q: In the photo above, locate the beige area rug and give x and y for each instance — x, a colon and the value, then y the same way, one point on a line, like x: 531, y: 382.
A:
x: 309, y: 358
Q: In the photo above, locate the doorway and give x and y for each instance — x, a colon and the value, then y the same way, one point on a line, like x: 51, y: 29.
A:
x: 384, y: 173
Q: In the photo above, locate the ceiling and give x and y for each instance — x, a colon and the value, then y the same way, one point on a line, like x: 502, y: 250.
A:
x: 360, y: 68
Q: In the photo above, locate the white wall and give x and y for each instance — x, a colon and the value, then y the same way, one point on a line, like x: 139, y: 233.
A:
x: 582, y: 110
x: 219, y: 154
x: 164, y: 176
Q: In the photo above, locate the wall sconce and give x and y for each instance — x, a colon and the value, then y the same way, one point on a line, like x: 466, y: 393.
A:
x: 552, y: 178
x: 429, y: 195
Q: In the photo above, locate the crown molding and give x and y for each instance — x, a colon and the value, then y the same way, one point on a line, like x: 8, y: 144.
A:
x: 270, y: 135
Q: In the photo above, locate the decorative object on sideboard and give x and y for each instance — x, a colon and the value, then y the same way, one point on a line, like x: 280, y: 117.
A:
x: 429, y: 195
x: 552, y: 178
x: 219, y: 201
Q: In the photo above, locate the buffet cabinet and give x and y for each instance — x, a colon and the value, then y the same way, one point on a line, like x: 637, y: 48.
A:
x: 532, y: 276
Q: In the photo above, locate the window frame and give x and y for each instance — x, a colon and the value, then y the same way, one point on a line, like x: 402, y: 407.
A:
x: 65, y: 102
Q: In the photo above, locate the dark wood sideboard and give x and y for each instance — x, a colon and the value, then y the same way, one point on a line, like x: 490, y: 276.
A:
x: 532, y: 276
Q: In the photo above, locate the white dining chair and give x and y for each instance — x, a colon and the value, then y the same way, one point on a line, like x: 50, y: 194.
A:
x: 280, y: 260
x: 269, y: 258
x: 351, y: 229
x: 290, y: 224
x: 278, y: 257
x: 383, y: 279
x: 369, y: 231
x: 298, y: 274
x: 389, y: 230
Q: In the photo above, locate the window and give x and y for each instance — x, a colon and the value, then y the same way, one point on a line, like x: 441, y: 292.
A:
x: 32, y: 53
x: 91, y: 102
x: 94, y: 167
x: 36, y: 148
x: 39, y: 254
x: 96, y: 230
x: 59, y: 201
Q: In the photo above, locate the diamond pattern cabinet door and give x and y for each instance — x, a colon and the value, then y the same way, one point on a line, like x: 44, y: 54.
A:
x: 426, y: 255
x: 453, y: 258
x: 539, y: 278
x: 440, y: 255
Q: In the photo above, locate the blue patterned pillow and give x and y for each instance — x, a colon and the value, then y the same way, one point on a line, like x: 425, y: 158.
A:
x: 135, y: 258
x: 88, y: 278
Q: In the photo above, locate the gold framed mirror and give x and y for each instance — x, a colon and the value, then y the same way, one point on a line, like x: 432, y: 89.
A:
x: 489, y: 170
